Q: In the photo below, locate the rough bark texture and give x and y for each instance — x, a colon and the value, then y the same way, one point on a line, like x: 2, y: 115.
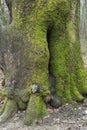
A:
x: 41, y: 44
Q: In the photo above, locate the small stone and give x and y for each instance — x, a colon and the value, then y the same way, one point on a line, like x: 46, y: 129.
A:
x: 69, y: 128
x: 56, y: 120
x: 19, y: 112
x: 85, y: 112
x: 16, y: 118
x: 80, y: 125
x: 4, y: 128
x: 23, y: 111
x: 35, y: 88
x: 78, y: 119
x: 46, y: 116
x: 84, y: 118
x: 83, y: 128
x: 75, y: 109
x: 79, y: 108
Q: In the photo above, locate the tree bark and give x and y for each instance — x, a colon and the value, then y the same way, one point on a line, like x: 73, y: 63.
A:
x: 41, y: 44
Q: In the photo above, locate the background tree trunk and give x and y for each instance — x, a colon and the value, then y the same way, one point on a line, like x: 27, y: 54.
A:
x: 41, y: 44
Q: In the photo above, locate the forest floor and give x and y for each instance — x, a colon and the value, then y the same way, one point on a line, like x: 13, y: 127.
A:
x: 68, y: 117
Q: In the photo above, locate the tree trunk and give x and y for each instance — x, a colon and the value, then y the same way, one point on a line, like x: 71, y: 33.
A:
x: 41, y: 44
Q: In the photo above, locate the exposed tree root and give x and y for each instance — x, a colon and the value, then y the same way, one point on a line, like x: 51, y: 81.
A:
x: 3, y: 106
x: 9, y: 110
x: 36, y: 109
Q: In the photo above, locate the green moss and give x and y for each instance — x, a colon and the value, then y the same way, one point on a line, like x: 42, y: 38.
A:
x: 10, y: 109
x: 65, y: 54
x: 3, y: 107
x: 4, y: 93
x: 21, y: 104
x: 22, y: 94
x: 51, y: 29
x: 36, y: 109
x: 45, y: 36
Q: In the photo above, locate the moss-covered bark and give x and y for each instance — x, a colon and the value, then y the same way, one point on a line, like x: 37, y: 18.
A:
x: 66, y: 61
x: 42, y: 41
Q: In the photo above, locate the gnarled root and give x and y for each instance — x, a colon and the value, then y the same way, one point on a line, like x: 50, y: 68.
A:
x: 36, y: 109
x: 3, y: 106
x: 10, y: 108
